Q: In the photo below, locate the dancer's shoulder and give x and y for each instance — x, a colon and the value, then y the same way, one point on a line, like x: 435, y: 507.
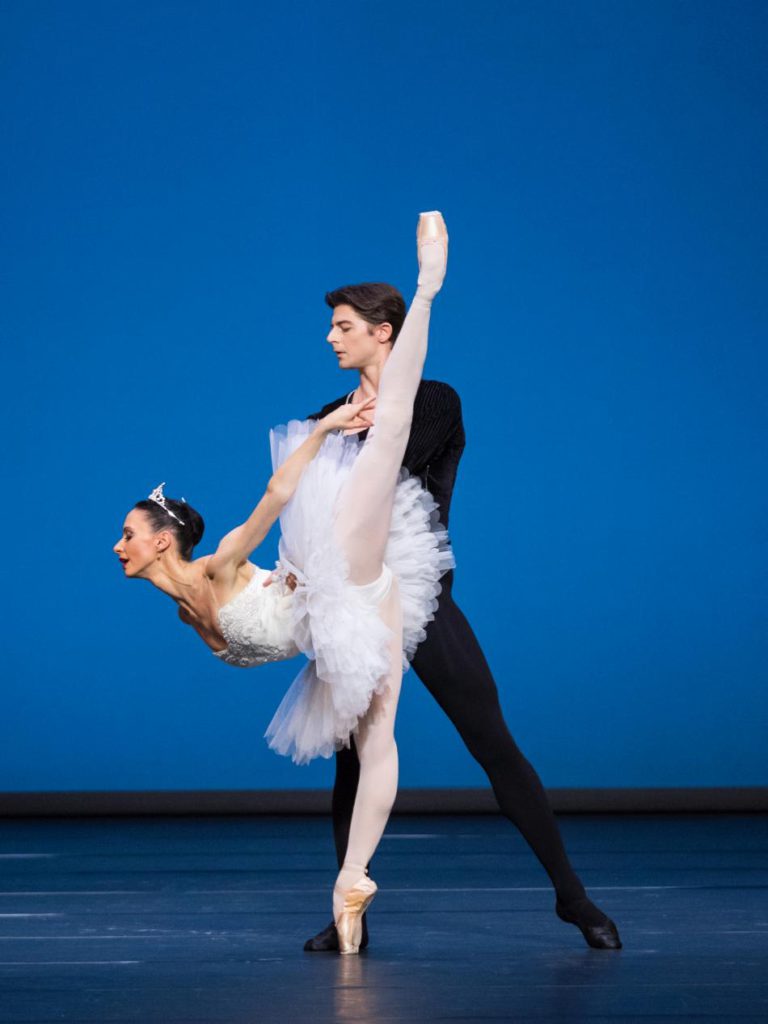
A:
x: 435, y: 397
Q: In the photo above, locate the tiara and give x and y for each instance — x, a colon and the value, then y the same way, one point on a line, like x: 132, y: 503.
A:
x: 159, y: 498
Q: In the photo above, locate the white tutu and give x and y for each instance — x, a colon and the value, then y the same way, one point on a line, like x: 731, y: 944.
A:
x: 336, y: 624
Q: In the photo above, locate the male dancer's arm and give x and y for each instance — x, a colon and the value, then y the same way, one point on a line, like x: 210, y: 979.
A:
x: 437, y: 442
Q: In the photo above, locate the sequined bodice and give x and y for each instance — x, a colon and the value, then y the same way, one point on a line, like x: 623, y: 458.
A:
x: 257, y: 624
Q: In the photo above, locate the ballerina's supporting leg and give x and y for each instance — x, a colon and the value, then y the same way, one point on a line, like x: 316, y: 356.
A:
x: 377, y: 751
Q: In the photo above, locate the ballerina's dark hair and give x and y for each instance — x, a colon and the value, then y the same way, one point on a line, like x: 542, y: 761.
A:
x: 188, y: 535
x: 376, y: 303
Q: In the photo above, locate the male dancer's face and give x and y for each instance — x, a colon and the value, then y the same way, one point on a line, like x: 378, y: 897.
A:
x: 356, y: 343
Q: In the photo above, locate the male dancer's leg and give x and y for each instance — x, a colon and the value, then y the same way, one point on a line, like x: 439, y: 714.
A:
x: 452, y: 666
x: 343, y: 800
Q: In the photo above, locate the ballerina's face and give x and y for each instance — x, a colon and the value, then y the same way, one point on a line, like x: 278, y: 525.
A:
x: 139, y: 545
x: 356, y: 343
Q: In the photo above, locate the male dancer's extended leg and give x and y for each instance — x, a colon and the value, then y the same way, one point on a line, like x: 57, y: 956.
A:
x: 452, y: 666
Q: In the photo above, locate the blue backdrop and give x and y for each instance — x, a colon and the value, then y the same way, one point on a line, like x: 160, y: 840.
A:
x: 185, y: 180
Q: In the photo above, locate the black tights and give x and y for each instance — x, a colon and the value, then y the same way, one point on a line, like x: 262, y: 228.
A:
x: 452, y: 666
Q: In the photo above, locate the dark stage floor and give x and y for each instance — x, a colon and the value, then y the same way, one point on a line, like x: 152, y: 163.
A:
x: 186, y: 920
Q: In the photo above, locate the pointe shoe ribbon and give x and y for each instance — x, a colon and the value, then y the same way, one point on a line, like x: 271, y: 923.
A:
x: 349, y: 926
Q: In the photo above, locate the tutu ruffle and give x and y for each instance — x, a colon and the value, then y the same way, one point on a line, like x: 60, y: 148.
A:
x: 336, y: 624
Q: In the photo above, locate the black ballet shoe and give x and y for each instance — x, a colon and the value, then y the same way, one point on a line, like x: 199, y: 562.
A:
x: 327, y: 941
x: 599, y: 936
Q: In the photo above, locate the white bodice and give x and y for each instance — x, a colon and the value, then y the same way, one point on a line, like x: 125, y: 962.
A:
x: 258, y: 624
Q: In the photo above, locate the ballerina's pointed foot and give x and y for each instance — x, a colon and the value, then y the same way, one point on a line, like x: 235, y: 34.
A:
x: 349, y: 923
x: 432, y: 247
x: 597, y: 928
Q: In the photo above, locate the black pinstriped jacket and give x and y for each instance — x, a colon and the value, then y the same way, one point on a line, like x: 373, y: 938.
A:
x: 436, y: 440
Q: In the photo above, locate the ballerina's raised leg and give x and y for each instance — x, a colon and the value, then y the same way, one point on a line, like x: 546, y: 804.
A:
x: 362, y: 531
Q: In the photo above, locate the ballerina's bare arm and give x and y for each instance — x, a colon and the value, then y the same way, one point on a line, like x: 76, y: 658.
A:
x: 235, y: 547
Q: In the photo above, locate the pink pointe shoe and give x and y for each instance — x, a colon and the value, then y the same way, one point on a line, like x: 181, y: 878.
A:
x: 349, y: 924
x: 432, y: 248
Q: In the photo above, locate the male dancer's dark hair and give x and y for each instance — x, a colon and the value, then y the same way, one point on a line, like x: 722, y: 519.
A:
x: 375, y: 302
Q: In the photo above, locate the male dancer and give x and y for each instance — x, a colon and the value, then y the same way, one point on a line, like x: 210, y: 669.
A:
x: 364, y: 326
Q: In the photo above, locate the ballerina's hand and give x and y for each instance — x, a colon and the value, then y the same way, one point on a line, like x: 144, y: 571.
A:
x: 355, y: 416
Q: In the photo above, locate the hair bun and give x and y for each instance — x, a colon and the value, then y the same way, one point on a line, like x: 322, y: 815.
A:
x: 197, y: 526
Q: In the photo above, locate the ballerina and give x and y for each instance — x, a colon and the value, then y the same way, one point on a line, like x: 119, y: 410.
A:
x: 361, y: 556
